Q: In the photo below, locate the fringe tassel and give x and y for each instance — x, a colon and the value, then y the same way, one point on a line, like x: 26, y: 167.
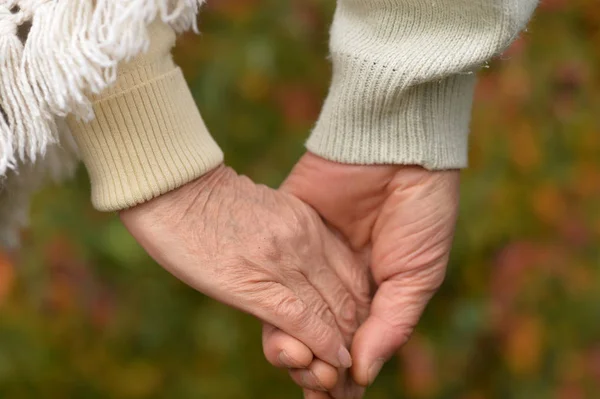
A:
x: 74, y: 47
x: 24, y: 130
x: 7, y: 155
x: 71, y: 53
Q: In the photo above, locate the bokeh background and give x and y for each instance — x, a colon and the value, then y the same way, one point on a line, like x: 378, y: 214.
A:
x: 84, y: 312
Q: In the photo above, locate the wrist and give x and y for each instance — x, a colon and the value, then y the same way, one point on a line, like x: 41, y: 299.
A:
x: 206, y: 184
x: 187, y: 194
x: 325, y: 170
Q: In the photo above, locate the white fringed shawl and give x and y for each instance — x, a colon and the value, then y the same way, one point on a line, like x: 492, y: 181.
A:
x: 54, y: 54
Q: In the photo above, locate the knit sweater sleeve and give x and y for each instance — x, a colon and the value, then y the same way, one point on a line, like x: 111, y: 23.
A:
x: 147, y: 137
x: 403, y: 77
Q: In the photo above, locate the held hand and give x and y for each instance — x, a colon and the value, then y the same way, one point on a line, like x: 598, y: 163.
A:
x: 259, y: 250
x: 403, y: 218
x: 319, y: 379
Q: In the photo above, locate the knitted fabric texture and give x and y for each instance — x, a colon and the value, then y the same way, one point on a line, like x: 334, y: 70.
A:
x: 403, y: 78
x: 54, y: 56
x: 72, y: 50
x: 401, y: 91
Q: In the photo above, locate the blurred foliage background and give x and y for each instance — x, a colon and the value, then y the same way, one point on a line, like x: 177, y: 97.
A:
x: 84, y: 312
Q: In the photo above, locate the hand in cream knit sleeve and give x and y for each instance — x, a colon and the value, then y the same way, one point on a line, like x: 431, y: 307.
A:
x: 401, y: 93
x: 147, y: 137
x: 403, y: 78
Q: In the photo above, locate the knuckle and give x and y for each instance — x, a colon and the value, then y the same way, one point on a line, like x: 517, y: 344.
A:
x: 266, y: 250
x: 242, y: 277
x: 292, y: 309
x: 286, y: 233
x: 346, y: 312
x: 325, y: 314
x: 438, y: 279
x: 320, y: 332
x: 361, y: 287
x: 397, y: 331
x: 429, y: 279
x: 403, y: 335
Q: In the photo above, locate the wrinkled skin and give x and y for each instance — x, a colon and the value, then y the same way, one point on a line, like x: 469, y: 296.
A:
x: 402, y: 220
x: 262, y: 251
x: 268, y: 254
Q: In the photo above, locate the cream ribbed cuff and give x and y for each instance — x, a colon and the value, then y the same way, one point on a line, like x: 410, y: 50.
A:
x: 367, y: 119
x: 146, y: 140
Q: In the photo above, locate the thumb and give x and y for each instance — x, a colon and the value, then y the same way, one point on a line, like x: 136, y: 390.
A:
x: 395, y: 311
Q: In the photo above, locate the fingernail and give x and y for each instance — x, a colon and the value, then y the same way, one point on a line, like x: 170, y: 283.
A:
x: 344, y: 357
x: 309, y: 380
x: 374, y: 370
x: 285, y: 360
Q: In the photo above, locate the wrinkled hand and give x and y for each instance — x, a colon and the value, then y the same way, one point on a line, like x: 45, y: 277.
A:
x: 403, y: 219
x: 259, y: 250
